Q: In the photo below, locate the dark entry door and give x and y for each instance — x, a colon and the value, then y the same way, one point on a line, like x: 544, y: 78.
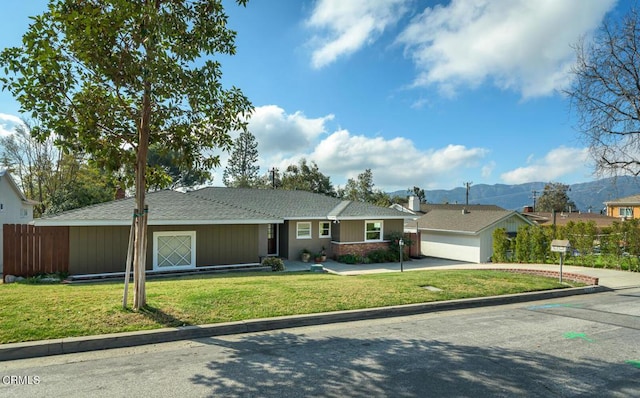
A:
x: 272, y: 239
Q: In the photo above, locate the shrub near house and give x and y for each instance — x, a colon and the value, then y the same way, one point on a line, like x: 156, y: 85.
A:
x: 390, y: 255
x: 617, y: 246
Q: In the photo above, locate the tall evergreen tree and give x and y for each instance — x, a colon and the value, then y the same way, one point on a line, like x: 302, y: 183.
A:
x: 242, y: 170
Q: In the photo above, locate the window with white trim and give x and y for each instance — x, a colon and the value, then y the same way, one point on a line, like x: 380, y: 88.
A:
x: 373, y: 230
x: 626, y: 211
x: 325, y: 229
x: 303, y: 230
x: 174, y: 249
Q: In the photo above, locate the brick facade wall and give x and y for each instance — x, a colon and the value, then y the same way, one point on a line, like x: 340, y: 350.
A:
x: 361, y: 249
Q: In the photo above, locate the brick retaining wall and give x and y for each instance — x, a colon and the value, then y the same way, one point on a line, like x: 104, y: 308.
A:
x: 589, y: 280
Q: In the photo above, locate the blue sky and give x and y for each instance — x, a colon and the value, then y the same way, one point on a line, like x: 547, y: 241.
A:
x: 425, y: 93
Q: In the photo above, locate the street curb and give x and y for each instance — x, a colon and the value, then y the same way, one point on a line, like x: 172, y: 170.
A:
x: 70, y: 345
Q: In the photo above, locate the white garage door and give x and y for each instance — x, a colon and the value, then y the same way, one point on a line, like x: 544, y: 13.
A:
x: 451, y: 246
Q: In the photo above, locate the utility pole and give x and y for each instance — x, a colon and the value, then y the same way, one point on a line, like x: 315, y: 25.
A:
x: 468, y: 185
x: 273, y: 177
x: 535, y: 196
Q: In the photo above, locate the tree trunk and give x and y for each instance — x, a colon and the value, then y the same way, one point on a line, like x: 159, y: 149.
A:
x: 144, y: 129
x: 139, y: 257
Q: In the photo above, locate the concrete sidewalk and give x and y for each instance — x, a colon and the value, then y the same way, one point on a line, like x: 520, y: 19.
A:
x: 609, y: 280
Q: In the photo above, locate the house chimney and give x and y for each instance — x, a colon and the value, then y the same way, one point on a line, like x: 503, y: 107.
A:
x: 120, y: 193
x: 527, y: 209
x: 414, y: 203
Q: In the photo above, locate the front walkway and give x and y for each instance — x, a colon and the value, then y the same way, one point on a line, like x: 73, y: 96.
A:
x: 610, y: 278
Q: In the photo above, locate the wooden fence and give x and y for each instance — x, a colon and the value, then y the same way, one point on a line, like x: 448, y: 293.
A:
x: 29, y: 250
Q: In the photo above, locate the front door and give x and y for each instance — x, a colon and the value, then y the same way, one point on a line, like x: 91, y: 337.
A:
x: 272, y: 239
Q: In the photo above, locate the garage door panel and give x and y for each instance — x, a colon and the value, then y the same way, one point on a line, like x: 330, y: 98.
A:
x: 453, y: 247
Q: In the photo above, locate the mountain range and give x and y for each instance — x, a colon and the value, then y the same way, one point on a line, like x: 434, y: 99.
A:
x: 588, y: 196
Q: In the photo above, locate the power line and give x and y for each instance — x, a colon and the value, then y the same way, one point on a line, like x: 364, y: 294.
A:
x: 535, y: 196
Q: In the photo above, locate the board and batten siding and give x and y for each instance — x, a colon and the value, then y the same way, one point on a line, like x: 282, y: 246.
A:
x: 94, y: 250
x: 103, y: 249
x: 314, y: 244
x: 353, y: 230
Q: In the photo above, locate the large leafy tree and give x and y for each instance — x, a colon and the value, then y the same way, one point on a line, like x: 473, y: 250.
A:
x: 306, y: 177
x: 242, y: 168
x: 555, y: 197
x: 362, y: 189
x: 58, y: 181
x: 89, y: 186
x: 605, y: 94
x: 166, y: 171
x: 111, y: 77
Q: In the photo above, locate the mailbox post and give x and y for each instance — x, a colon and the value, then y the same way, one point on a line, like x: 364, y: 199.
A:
x: 561, y: 246
x: 401, y: 244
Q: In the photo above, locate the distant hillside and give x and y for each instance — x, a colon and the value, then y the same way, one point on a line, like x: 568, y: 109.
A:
x: 587, y: 196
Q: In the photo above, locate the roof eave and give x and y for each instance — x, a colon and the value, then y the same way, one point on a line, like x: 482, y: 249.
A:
x: 373, y: 217
x: 107, y: 223
x: 453, y: 231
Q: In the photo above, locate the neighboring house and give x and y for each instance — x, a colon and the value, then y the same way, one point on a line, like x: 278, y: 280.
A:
x: 624, y: 208
x: 15, y: 208
x: 222, y: 226
x: 466, y: 233
x: 414, y: 207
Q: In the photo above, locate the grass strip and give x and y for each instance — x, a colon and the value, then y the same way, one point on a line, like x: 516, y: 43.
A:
x: 36, y: 312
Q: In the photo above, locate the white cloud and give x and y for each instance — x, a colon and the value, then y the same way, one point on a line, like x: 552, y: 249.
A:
x: 520, y: 45
x: 279, y: 135
x: 557, y: 163
x: 277, y: 131
x: 396, y: 163
x: 7, y: 124
x: 347, y: 26
x: 487, y: 169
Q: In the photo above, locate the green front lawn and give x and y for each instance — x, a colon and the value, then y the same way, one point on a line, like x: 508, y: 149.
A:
x: 35, y: 312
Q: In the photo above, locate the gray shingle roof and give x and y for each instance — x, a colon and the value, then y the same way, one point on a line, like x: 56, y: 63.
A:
x: 427, y: 207
x: 295, y: 204
x: 165, y: 207
x: 472, y: 221
x: 218, y: 205
x: 277, y: 202
x: 360, y: 210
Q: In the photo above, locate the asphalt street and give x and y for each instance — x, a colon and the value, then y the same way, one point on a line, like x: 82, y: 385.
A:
x: 568, y: 347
